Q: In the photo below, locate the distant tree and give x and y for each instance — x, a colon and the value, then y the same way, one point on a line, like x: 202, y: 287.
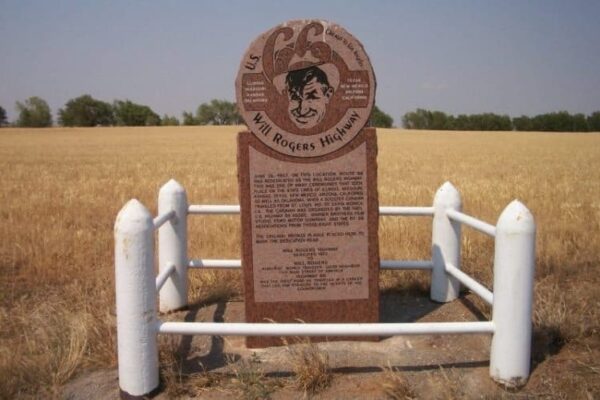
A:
x: 491, y: 122
x: 34, y: 113
x: 580, y: 123
x: 3, y: 120
x: 167, y: 120
x: 128, y: 113
x: 593, y: 121
x: 560, y: 121
x: 408, y: 121
x: 438, y: 120
x: 419, y: 119
x: 188, y: 118
x: 522, y: 123
x: 425, y: 119
x: 380, y: 119
x: 462, y: 122
x: 504, y: 123
x: 218, y: 112
x: 86, y: 111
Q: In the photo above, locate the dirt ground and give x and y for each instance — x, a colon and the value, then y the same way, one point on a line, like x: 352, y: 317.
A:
x: 423, y: 367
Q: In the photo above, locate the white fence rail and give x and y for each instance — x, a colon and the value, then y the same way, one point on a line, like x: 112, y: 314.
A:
x: 137, y: 287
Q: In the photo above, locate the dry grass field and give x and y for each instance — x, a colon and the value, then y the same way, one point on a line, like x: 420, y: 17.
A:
x: 62, y: 189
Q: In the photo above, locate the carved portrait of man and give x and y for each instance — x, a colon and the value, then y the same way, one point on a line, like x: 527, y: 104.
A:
x: 308, y: 93
x: 305, y: 83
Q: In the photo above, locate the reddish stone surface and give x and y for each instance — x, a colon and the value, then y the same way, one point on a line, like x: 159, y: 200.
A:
x: 312, y: 266
x: 306, y: 88
x: 308, y: 178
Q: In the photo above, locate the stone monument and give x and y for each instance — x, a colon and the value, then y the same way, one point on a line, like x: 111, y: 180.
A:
x: 308, y: 178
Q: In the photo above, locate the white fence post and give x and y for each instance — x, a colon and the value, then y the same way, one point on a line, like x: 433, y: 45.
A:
x: 172, y: 246
x: 514, y: 265
x: 136, y: 301
x: 445, y: 244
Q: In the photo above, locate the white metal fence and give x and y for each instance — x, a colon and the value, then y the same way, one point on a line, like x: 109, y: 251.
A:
x: 137, y: 287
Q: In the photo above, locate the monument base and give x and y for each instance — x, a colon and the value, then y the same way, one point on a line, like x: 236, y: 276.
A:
x: 309, y: 235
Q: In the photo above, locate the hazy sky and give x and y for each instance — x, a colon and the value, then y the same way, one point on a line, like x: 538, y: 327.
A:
x: 513, y: 57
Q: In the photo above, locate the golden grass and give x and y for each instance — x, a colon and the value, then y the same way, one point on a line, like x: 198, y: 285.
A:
x: 312, y: 372
x: 62, y: 189
x: 250, y: 381
x: 395, y: 385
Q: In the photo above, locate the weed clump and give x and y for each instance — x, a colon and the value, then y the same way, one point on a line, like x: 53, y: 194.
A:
x: 312, y: 372
x: 250, y: 380
x: 395, y: 385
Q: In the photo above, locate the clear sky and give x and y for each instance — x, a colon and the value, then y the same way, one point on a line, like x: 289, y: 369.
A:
x: 514, y: 57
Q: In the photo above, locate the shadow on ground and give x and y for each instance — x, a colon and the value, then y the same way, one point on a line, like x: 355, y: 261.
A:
x: 455, y: 364
x: 215, y: 353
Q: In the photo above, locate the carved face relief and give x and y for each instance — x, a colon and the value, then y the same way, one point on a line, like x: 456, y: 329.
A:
x: 305, y: 88
x: 308, y: 93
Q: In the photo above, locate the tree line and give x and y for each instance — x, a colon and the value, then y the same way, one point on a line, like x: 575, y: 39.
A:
x: 561, y: 121
x: 87, y: 111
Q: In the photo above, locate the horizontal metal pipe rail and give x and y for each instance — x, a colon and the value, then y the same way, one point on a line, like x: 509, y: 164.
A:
x: 207, y: 263
x: 213, y: 209
x: 405, y: 211
x: 471, y: 283
x: 474, y: 223
x: 297, y: 329
x: 235, y: 209
x: 385, y: 264
x: 406, y: 264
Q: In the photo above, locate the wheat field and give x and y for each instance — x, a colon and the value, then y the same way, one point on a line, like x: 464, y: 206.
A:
x: 62, y: 189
